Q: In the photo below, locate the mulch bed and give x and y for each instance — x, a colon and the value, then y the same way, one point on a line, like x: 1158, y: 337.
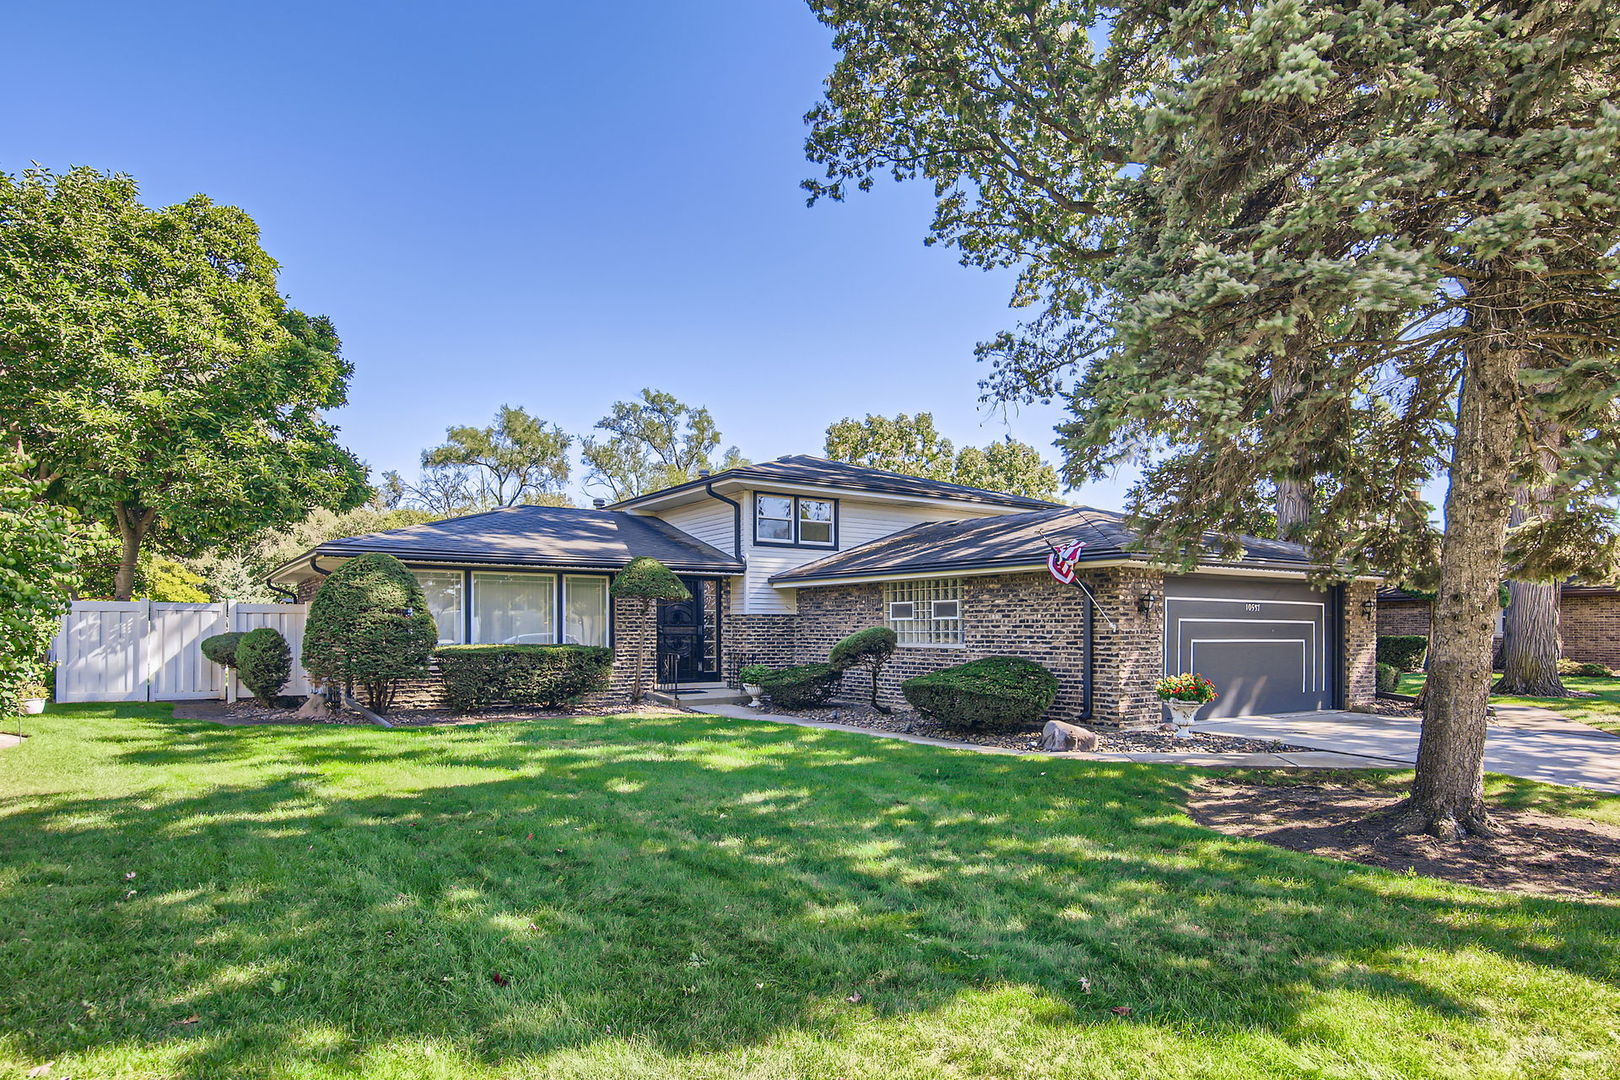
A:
x: 907, y: 722
x: 1536, y: 853
x: 251, y: 713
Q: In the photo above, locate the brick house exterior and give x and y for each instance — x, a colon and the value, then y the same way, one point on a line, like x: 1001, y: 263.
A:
x: 773, y: 590
x: 1589, y: 621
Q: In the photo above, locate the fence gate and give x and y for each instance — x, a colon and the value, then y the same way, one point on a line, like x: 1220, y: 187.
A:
x: 139, y: 650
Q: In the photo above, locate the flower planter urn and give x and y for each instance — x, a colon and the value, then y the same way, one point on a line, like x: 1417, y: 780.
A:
x: 755, y: 693
x: 1181, y: 714
x: 32, y: 706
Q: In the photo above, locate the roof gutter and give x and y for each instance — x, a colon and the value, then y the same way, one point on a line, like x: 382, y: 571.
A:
x: 736, y: 520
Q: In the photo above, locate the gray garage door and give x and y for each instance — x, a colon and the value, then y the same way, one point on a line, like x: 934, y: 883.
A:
x: 1269, y: 647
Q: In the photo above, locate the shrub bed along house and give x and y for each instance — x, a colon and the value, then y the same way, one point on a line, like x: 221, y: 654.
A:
x: 1404, y: 651
x: 545, y: 675
x: 994, y: 691
x: 802, y: 686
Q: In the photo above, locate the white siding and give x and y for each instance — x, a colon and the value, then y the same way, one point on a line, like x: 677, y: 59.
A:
x: 859, y: 521
x: 711, y: 521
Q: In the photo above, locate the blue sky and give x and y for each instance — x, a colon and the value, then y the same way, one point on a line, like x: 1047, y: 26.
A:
x: 536, y: 204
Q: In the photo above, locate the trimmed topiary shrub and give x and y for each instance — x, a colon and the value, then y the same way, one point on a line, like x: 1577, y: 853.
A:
x: 221, y: 648
x: 869, y: 649
x: 369, y: 627
x: 264, y: 663
x: 1387, y: 676
x: 801, y: 687
x: 646, y: 579
x: 544, y: 675
x: 1405, y: 651
x: 993, y: 692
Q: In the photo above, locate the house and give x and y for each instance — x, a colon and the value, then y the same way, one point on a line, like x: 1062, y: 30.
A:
x: 785, y: 557
x: 1589, y: 620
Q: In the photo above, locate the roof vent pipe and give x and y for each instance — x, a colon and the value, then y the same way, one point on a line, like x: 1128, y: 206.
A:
x: 599, y: 503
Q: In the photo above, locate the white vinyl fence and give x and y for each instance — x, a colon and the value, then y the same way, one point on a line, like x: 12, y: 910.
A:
x: 139, y: 650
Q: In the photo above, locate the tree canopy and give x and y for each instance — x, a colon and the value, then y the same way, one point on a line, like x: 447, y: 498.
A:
x: 912, y: 444
x: 150, y: 367
x: 38, y: 573
x: 516, y: 459
x: 1354, y: 246
x: 652, y: 443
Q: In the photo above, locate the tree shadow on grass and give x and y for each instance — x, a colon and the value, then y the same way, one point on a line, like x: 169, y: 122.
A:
x: 685, y: 884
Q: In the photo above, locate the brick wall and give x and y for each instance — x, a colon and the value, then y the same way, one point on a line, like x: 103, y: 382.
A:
x: 1025, y: 615
x: 1361, y: 642
x: 1403, y: 617
x: 1591, y: 627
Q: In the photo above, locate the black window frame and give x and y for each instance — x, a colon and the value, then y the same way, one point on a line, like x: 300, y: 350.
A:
x: 794, y: 519
x: 559, y: 599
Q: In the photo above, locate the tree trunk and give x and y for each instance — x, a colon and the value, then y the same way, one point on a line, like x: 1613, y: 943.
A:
x: 1531, y: 644
x: 133, y: 524
x: 1293, y: 505
x: 877, y: 670
x: 1294, y: 490
x: 1448, y: 793
x: 636, y: 687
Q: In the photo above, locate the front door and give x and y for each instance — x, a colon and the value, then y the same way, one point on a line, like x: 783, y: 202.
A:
x: 688, y: 635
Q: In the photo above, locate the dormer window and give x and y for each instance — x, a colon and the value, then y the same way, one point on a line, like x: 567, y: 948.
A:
x: 795, y: 521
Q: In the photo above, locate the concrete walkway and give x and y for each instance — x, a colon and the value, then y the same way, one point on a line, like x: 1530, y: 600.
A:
x: 1523, y: 741
x: 7, y: 739
x: 1293, y: 760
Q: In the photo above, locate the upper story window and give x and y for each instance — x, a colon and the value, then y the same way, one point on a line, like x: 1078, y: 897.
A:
x: 796, y: 520
x: 926, y: 612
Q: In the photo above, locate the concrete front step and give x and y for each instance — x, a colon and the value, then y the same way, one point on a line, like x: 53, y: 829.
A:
x: 697, y: 696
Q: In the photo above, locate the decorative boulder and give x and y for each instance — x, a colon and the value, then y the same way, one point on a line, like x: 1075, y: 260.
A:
x: 1060, y: 738
x: 315, y: 708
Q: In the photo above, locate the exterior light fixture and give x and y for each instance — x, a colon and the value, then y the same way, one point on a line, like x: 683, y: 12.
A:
x: 1369, y: 608
x: 1145, y: 602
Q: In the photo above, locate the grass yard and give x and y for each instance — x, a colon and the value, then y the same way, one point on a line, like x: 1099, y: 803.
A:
x: 1602, y: 711
x: 695, y: 897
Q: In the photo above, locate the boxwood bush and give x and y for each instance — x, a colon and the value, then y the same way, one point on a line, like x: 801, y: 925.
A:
x: 221, y: 648
x: 1405, y: 651
x: 369, y: 627
x: 802, y: 686
x: 545, y: 675
x: 264, y: 662
x: 1388, y: 677
x: 993, y: 692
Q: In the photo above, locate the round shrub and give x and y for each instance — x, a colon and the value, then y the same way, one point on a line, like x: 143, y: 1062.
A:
x: 801, y: 687
x: 221, y: 648
x: 1583, y: 668
x: 993, y: 692
x: 869, y: 649
x: 1405, y: 651
x: 264, y: 663
x: 369, y: 627
x: 1388, y: 677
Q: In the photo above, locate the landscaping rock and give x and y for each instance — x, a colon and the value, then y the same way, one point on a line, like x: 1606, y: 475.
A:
x: 1060, y: 738
x: 315, y: 708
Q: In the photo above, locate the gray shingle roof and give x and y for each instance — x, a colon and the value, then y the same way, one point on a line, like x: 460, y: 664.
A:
x: 543, y: 536
x: 805, y: 469
x: 1011, y: 540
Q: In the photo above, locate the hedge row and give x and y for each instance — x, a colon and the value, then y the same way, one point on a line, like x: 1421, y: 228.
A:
x: 1404, y: 651
x: 544, y: 675
x: 993, y: 692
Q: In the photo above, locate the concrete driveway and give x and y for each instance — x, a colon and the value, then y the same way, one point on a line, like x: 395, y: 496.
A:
x: 1531, y: 743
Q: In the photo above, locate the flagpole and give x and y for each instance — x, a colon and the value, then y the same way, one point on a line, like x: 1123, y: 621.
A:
x: 1095, y: 605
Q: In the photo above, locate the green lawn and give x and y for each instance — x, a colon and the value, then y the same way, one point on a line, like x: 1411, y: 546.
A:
x: 695, y: 897
x: 1602, y: 711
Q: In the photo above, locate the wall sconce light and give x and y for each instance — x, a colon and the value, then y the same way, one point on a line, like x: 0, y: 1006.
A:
x: 1369, y: 608
x: 1145, y: 602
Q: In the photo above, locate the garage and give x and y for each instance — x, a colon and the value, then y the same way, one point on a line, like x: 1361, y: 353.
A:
x: 1268, y: 646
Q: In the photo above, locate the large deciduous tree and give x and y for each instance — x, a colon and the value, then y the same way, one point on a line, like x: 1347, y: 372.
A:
x: 517, y: 459
x: 913, y: 445
x: 149, y: 366
x: 1419, y: 198
x: 39, y: 547
x: 653, y: 443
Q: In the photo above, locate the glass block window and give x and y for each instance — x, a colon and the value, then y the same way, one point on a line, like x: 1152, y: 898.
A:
x: 443, y: 589
x: 923, y: 613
